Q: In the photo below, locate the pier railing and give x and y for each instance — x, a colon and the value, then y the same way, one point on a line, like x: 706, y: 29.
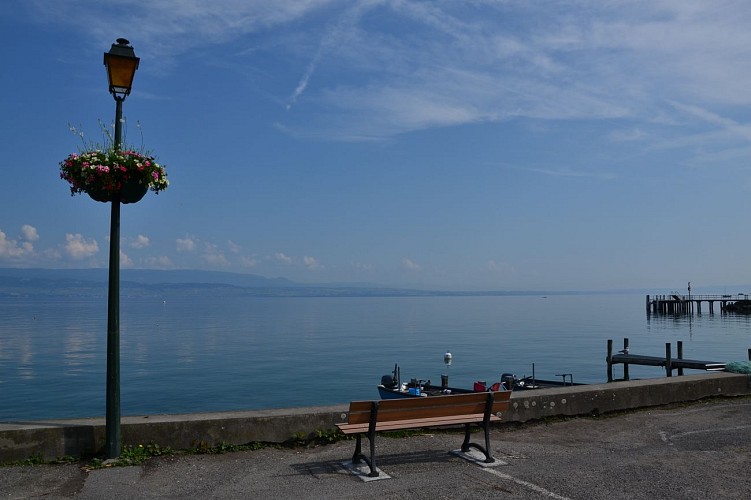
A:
x: 739, y: 296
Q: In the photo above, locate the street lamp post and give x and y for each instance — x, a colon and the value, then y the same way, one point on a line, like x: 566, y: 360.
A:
x: 121, y: 63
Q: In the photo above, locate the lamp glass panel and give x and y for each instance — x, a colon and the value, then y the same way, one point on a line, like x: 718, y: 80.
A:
x: 121, y: 71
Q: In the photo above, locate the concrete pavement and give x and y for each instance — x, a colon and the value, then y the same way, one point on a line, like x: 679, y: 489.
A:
x: 695, y: 451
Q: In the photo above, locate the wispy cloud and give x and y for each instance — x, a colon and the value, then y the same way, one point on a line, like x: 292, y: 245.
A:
x: 608, y: 61
x: 410, y: 264
x: 563, y: 172
x: 385, y: 67
x: 303, y: 83
x: 171, y: 27
x: 333, y: 37
x: 727, y: 124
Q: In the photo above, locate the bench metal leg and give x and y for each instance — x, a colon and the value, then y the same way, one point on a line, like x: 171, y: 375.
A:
x: 488, y: 458
x: 358, y: 450
x: 359, y: 456
x: 467, y: 444
x: 373, y: 470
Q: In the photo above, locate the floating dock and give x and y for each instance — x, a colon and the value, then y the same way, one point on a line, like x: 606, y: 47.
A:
x: 686, y: 304
x: 625, y: 358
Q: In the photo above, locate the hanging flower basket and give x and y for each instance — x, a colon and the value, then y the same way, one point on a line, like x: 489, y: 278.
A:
x: 131, y: 191
x: 105, y: 174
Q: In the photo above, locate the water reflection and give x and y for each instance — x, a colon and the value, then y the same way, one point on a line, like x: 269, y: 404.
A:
x: 219, y: 353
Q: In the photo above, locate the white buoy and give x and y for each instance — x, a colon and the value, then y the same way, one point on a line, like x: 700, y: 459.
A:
x: 447, y: 358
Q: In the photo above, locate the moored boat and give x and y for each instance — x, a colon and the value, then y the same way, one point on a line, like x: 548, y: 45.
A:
x: 530, y: 382
x: 392, y: 387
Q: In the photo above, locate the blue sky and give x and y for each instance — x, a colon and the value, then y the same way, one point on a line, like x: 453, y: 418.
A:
x: 438, y: 144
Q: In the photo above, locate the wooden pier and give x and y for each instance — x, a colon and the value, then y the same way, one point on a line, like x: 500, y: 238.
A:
x: 687, y: 304
x: 625, y: 358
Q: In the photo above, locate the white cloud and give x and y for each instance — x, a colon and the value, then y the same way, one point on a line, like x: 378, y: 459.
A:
x: 248, y: 262
x: 125, y: 261
x: 159, y: 262
x: 187, y: 244
x: 140, y: 241
x: 29, y: 233
x: 78, y: 247
x: 410, y: 264
x: 500, y: 267
x: 311, y: 263
x: 284, y: 259
x: 367, y: 268
x: 214, y: 256
x: 215, y: 259
x: 233, y: 247
x: 13, y: 249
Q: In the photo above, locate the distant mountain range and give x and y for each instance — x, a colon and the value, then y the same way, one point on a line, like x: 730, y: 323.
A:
x: 93, y: 282
x: 160, y: 283
x: 147, y: 277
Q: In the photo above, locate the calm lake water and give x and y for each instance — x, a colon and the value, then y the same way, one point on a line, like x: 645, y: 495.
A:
x: 201, y: 354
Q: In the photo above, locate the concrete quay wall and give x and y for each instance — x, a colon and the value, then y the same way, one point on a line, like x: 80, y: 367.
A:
x: 86, y: 437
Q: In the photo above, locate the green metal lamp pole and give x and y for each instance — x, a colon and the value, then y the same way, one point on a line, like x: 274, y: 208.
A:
x: 112, y: 449
x: 121, y: 63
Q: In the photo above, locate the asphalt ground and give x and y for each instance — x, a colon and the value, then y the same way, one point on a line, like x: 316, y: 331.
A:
x: 696, y: 451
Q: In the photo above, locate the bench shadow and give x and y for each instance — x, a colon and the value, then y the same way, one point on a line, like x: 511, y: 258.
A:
x: 393, y: 460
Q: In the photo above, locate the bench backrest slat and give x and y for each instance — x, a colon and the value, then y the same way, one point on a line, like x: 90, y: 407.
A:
x: 359, y: 412
x: 425, y: 407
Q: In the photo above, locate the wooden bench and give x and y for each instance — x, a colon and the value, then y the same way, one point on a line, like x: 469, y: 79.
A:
x: 369, y: 417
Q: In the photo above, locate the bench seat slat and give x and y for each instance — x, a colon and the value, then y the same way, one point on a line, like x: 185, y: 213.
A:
x: 385, y: 414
